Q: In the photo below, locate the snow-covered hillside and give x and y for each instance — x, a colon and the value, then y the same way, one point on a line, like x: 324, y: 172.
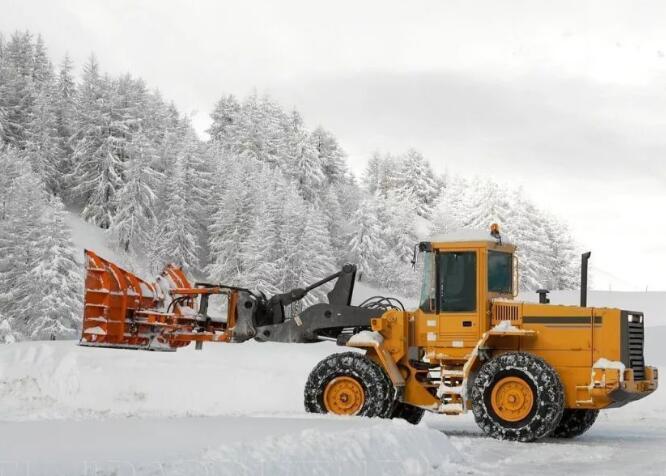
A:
x: 238, y: 409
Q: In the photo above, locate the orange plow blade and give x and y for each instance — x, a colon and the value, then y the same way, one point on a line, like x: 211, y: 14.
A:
x: 122, y: 310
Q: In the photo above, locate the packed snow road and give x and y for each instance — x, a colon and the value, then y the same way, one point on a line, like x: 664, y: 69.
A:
x: 237, y: 409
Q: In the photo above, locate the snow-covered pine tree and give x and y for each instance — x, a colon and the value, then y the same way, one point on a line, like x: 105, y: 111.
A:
x: 563, y: 261
x: 290, y: 214
x: 301, y: 161
x: 19, y: 234
x: 235, y: 197
x: 42, y: 142
x: 226, y: 118
x: 451, y: 210
x: 526, y: 229
x: 97, y: 165
x: 42, y: 69
x: 258, y: 250
x: 176, y: 237
x: 18, y: 88
x: 366, y: 246
x: 57, y: 278
x: 417, y: 179
x: 330, y: 154
x: 336, y: 219
x: 381, y: 174
x: 65, y: 114
x: 314, y: 254
x: 163, y: 124
x: 40, y: 281
x: 488, y: 203
x: 12, y: 164
x: 259, y: 134
x: 6, y: 334
x: 397, y: 213
x: 134, y: 220
x: 198, y: 180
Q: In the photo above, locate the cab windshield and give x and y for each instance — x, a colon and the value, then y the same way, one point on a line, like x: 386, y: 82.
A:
x: 500, y: 272
x: 449, y: 282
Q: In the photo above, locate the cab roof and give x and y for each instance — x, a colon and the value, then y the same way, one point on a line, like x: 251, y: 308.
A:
x: 463, y: 235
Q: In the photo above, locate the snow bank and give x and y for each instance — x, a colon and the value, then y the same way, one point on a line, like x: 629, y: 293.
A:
x: 62, y: 380
x: 390, y: 448
x: 227, y: 446
x: 228, y: 409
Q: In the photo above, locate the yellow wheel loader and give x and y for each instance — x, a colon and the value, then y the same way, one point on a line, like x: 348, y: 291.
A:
x: 525, y: 370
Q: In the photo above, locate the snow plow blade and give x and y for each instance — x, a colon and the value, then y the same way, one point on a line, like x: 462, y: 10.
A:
x: 122, y: 310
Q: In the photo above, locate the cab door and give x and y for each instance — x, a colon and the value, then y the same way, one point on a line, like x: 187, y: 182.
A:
x: 458, y: 297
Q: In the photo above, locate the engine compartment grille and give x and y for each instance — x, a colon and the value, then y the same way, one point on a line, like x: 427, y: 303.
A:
x: 633, y: 338
x: 504, y: 311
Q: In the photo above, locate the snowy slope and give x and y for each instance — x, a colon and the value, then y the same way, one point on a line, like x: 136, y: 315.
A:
x: 88, y: 236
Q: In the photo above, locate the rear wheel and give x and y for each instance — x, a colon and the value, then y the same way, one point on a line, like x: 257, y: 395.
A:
x: 574, y: 423
x: 349, y: 384
x: 517, y: 396
x: 408, y: 413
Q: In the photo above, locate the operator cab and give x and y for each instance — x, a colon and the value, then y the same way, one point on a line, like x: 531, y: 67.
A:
x: 462, y: 273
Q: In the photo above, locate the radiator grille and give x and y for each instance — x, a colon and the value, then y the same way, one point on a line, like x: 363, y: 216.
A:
x: 505, y: 312
x: 633, y: 337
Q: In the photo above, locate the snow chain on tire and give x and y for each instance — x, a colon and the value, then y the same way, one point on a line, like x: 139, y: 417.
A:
x: 574, y: 423
x: 537, y: 384
x: 377, y: 388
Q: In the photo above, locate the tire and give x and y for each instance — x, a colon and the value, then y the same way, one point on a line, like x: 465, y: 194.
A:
x: 517, y: 396
x: 407, y: 412
x: 354, y: 376
x: 574, y: 423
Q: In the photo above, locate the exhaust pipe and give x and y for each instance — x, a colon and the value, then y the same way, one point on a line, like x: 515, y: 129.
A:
x: 585, y: 257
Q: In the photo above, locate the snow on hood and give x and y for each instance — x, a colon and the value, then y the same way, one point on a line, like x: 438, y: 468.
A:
x: 505, y: 326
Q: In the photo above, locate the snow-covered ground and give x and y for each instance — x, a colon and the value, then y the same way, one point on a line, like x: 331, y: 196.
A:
x: 238, y: 409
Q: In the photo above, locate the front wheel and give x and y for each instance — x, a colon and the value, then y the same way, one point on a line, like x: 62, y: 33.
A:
x: 517, y: 396
x: 574, y: 423
x: 349, y: 384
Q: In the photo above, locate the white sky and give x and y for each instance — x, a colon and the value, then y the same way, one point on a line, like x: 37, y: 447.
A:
x: 564, y: 98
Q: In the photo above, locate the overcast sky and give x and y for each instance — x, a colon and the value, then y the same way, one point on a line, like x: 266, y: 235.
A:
x: 567, y: 99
